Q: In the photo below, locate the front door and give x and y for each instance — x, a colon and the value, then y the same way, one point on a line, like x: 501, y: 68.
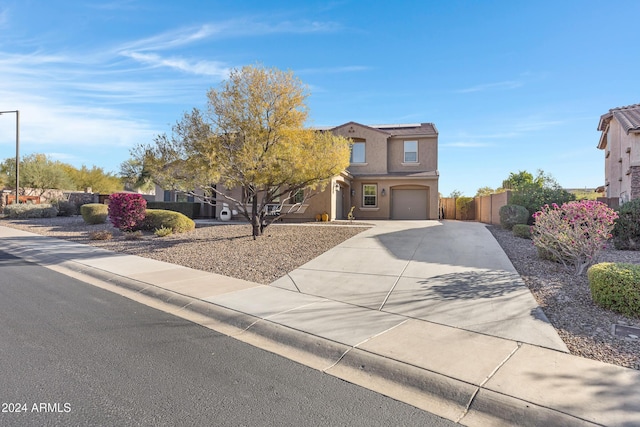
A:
x: 339, y: 203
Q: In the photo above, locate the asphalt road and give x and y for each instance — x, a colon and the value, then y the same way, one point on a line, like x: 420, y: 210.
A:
x: 73, y: 354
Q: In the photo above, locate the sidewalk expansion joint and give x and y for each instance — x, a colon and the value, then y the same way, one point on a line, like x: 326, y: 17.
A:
x: 294, y: 282
x: 393, y: 287
x: 362, y: 342
x: 481, y: 385
x: 402, y: 272
x: 259, y: 319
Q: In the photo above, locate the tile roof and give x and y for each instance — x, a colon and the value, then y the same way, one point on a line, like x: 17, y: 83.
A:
x: 628, y: 117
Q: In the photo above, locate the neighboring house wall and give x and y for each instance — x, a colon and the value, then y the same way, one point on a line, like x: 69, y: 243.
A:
x: 620, y: 141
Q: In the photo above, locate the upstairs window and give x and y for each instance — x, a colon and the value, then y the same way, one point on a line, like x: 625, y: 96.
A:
x: 411, y: 152
x: 370, y: 195
x: 357, y: 152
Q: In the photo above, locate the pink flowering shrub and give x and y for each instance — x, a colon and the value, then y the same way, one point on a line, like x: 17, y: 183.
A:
x: 126, y: 210
x: 574, y: 233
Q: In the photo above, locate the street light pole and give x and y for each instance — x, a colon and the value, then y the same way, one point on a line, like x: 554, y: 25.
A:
x: 17, y: 152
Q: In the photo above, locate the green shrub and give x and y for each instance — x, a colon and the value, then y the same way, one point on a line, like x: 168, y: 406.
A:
x: 159, y: 218
x: 522, y: 230
x: 163, y: 231
x: 534, y: 197
x: 616, y: 286
x: 28, y: 210
x: 511, y: 215
x: 66, y: 208
x: 465, y: 208
x: 100, y: 235
x: 626, y: 231
x: 190, y: 209
x: 94, y: 213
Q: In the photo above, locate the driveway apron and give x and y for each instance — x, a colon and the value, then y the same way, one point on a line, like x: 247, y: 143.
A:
x: 451, y: 273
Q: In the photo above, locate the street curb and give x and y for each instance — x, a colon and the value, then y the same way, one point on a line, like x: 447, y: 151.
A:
x: 447, y: 397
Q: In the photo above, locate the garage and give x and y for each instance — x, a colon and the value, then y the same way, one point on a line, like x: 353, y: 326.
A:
x: 410, y: 204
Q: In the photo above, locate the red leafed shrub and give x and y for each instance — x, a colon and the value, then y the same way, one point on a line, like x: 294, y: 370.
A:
x: 126, y: 210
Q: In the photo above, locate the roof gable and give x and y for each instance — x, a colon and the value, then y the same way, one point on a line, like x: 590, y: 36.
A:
x: 358, y: 125
x: 417, y: 129
x: 628, y: 117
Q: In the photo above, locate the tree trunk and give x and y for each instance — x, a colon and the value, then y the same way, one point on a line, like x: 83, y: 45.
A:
x: 255, y: 218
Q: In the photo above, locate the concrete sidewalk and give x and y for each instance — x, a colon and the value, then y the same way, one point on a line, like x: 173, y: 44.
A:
x: 429, y: 313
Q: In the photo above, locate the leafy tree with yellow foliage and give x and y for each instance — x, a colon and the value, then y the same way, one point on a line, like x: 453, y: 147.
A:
x: 253, y: 137
x: 95, y: 178
x: 38, y: 173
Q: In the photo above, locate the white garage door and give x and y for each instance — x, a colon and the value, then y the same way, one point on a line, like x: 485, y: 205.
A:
x: 409, y: 204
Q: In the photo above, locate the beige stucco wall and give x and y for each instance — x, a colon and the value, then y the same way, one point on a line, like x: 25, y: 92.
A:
x: 383, y: 209
x: 375, y: 148
x: 427, y: 155
x: 621, y: 153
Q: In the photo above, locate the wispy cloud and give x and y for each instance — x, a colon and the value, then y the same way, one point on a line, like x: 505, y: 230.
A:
x: 96, y: 100
x: 226, y: 29
x: 174, y: 38
x: 205, y: 68
x: 506, y: 85
x: 146, y: 50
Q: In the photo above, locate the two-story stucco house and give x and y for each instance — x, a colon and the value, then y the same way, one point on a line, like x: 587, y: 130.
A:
x: 620, y: 141
x: 393, y: 174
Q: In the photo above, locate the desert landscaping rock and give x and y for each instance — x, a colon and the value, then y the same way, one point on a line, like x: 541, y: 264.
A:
x: 586, y: 328
x: 227, y: 249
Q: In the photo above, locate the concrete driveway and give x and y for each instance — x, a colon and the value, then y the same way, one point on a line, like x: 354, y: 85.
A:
x: 448, y: 272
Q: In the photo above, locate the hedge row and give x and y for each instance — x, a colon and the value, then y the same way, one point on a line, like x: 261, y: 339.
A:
x: 192, y: 210
x: 29, y: 210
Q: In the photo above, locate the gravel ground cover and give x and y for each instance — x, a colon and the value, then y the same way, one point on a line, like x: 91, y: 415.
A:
x: 229, y: 249
x: 586, y: 328
x: 222, y: 248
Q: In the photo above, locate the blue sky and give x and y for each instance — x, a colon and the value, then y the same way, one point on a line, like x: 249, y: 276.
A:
x: 510, y: 85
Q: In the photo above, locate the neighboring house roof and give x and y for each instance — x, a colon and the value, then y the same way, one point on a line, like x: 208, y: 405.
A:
x: 628, y: 117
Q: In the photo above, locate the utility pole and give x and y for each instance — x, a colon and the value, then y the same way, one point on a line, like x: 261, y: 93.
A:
x: 17, y: 112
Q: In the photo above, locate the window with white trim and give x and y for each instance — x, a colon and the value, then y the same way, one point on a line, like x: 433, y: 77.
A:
x: 370, y: 195
x: 411, y: 152
x: 358, y: 152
